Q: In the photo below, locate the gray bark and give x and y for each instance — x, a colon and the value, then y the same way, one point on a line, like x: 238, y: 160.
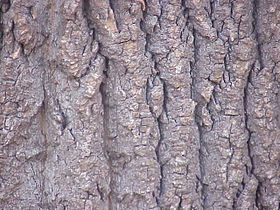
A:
x: 134, y: 104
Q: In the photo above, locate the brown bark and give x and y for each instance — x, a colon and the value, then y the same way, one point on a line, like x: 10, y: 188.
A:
x: 129, y: 104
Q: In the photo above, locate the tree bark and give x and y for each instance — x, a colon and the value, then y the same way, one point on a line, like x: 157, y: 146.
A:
x: 140, y: 104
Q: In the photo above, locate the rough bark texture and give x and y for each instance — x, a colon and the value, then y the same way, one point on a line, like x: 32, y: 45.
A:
x: 140, y: 104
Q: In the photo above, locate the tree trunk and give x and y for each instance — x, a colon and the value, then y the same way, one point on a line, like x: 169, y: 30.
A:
x: 140, y: 104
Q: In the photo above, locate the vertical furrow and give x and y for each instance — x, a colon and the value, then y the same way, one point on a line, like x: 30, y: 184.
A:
x: 255, y: 23
x: 222, y: 33
x: 76, y: 174
x: 263, y: 105
x: 170, y: 46
x: 105, y: 136
x: 161, y: 166
x: 197, y: 118
x: 131, y: 133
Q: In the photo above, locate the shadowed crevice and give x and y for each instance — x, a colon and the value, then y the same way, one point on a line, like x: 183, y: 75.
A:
x: 106, y: 146
x: 256, y: 32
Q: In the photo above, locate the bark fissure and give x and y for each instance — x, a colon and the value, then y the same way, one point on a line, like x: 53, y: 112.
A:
x: 255, y: 31
x: 193, y: 64
x: 158, y: 148
x: 5, y: 5
x: 158, y: 117
x: 238, y: 194
x: 87, y: 13
x: 61, y: 117
x: 44, y: 132
x: 195, y: 95
x: 249, y: 141
x: 160, y: 126
x: 1, y: 30
x: 258, y: 196
x: 106, y: 143
x: 246, y: 117
x: 87, y: 8
x: 197, y: 114
x: 112, y: 7
x: 180, y: 203
x: 161, y: 166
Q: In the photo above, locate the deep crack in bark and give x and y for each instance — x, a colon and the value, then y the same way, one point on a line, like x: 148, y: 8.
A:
x: 255, y: 31
x: 197, y: 118
x: 106, y: 149
x: 247, y: 127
